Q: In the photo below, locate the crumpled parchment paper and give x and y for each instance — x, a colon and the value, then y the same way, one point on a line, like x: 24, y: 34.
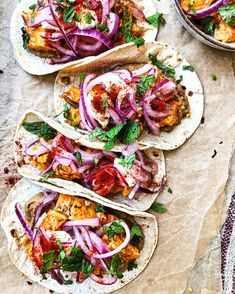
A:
x: 187, y: 258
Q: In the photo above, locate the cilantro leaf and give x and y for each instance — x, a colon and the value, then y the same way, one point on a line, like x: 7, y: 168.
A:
x: 78, y: 157
x: 127, y: 161
x: 136, y: 231
x: 69, y: 14
x: 156, y: 19
x: 45, y: 177
x: 67, y: 282
x: 88, y: 18
x: 191, y: 6
x: 82, y: 76
x: 158, y: 207
x: 47, y: 262
x: 180, y: 79
x: 86, y: 4
x: 33, y: 7
x: 79, y: 17
x: 100, y: 208
x: 113, y: 229
x: 209, y: 25
x: 214, y: 77
x: 188, y: 67
x: 103, y: 28
x: 96, y: 161
x: 145, y: 82
x: 227, y: 13
x: 169, y: 71
x: 74, y: 262
x: 104, y: 105
x: 25, y: 38
x: 131, y: 266
x: 115, y: 266
x: 129, y: 133
x: 41, y: 129
x: 86, y: 268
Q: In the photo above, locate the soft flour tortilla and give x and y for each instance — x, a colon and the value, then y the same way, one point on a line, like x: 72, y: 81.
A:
x: 23, y: 137
x: 22, y: 192
x: 36, y: 65
x: 131, y: 57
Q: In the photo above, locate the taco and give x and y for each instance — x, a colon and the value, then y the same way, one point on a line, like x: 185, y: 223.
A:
x: 152, y: 87
x: 45, y: 151
x: 70, y: 244
x: 47, y: 35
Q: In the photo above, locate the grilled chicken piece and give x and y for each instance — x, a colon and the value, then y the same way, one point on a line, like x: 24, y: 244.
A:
x: 225, y: 33
x: 76, y: 208
x: 53, y: 220
x: 66, y: 172
x: 129, y: 253
x: 197, y: 4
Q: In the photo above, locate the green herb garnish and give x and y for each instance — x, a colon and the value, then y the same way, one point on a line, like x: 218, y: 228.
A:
x: 79, y: 17
x: 188, y: 67
x: 75, y: 262
x: 100, y: 208
x: 169, y: 190
x: 78, y: 157
x: 129, y: 133
x: 180, y: 79
x: 25, y: 38
x: 103, y: 28
x: 191, y: 6
x: 33, y: 7
x: 104, y: 104
x: 47, y: 262
x: 136, y: 232
x: 158, y: 207
x: 156, y: 19
x: 69, y: 14
x: 82, y: 76
x: 67, y: 282
x: 214, y: 77
x: 96, y: 162
x: 46, y: 176
x: 113, y: 229
x: 88, y: 18
x: 41, y: 129
x: 127, y: 161
x: 131, y: 266
x: 145, y: 82
x: 169, y: 71
x: 86, y: 4
x: 115, y: 267
x: 227, y: 13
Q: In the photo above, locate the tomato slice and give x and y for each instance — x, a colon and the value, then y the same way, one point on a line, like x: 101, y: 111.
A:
x: 105, y: 178
x: 37, y: 250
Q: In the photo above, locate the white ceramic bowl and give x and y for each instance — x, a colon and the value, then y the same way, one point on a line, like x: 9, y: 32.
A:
x: 197, y: 33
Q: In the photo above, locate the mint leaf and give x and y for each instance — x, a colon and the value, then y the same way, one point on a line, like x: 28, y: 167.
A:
x: 115, y: 267
x: 78, y: 157
x: 103, y: 28
x: 113, y: 229
x: 169, y: 71
x: 156, y: 19
x: 41, y: 129
x: 145, y: 82
x: 127, y: 161
x: 88, y: 18
x: 129, y: 133
x: 188, y: 67
x: 100, y: 208
x: 47, y: 262
x: 25, y: 38
x: 158, y: 207
x: 69, y: 14
x: 131, y: 266
x: 227, y: 13
x: 136, y: 231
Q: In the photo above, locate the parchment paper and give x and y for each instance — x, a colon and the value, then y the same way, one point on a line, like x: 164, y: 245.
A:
x: 187, y: 258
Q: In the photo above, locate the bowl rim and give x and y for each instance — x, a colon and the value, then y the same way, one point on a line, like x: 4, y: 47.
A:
x: 224, y: 46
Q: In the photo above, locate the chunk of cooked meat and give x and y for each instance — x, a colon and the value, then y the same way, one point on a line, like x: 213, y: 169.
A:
x: 53, y: 220
x: 76, y: 208
x: 197, y: 4
x: 66, y: 172
x: 224, y: 33
x: 128, y: 253
x: 72, y: 95
x: 171, y: 119
x: 40, y: 162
